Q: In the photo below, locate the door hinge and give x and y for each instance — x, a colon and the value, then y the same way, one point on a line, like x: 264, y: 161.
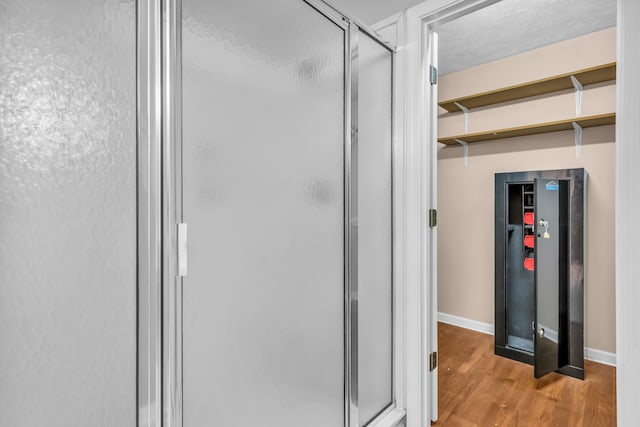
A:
x: 182, y: 249
x: 433, y: 217
x: 433, y: 361
x: 433, y: 75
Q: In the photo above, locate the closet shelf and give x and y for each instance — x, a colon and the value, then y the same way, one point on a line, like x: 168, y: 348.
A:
x: 560, y: 125
x: 587, y: 76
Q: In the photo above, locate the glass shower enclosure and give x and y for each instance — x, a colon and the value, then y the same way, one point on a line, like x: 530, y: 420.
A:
x: 196, y: 217
x: 285, y: 185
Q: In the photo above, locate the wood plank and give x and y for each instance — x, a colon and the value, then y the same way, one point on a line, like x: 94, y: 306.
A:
x: 478, y: 388
x: 587, y: 76
x: 533, y: 129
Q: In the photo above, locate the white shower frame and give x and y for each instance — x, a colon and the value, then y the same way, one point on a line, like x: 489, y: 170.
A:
x: 149, y: 238
x: 160, y: 211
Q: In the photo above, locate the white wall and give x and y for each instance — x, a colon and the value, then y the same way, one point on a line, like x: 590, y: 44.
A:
x: 628, y: 213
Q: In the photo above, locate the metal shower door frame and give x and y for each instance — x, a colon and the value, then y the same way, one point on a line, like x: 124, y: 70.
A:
x: 159, y: 381
x: 149, y: 198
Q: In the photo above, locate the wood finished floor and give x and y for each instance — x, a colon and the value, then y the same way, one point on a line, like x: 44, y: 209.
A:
x: 478, y: 388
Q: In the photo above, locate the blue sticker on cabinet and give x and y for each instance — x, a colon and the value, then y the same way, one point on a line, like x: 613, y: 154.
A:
x: 552, y: 186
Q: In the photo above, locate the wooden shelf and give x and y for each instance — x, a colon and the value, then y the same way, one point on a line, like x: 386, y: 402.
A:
x: 560, y: 125
x: 588, y: 76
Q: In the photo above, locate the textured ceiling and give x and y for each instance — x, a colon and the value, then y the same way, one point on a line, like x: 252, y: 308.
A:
x: 513, y: 26
x: 500, y: 30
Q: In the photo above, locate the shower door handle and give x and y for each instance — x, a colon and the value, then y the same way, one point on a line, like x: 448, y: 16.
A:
x: 182, y: 249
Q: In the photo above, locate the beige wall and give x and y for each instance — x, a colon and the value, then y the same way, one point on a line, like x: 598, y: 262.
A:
x: 465, y: 194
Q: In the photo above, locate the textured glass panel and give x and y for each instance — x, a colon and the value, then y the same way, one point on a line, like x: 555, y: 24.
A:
x: 263, y: 197
x: 67, y: 213
x: 374, y: 229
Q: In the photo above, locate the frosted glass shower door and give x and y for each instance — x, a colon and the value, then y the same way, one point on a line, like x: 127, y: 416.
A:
x: 67, y: 213
x: 263, y: 196
x: 375, y: 281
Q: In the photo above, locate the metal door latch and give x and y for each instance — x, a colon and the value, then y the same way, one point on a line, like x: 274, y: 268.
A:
x: 433, y: 217
x: 433, y: 361
x: 433, y: 75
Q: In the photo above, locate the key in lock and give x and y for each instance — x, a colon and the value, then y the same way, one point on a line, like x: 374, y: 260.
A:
x: 544, y: 224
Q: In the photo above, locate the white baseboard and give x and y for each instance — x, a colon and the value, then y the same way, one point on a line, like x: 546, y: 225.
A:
x: 600, y: 356
x: 463, y: 322
x: 595, y: 355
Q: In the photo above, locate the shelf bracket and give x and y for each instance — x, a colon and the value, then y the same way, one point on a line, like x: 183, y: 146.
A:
x: 465, y: 111
x: 578, y: 133
x: 578, y: 87
x: 465, y: 146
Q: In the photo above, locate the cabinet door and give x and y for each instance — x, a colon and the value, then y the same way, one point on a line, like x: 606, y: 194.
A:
x: 550, y: 273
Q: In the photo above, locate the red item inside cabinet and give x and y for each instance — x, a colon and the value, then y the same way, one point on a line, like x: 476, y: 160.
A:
x: 528, y: 218
x: 529, y: 241
x: 529, y: 264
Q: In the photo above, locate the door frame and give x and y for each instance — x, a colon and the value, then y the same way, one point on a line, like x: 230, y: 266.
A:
x: 627, y: 212
x: 420, y: 177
